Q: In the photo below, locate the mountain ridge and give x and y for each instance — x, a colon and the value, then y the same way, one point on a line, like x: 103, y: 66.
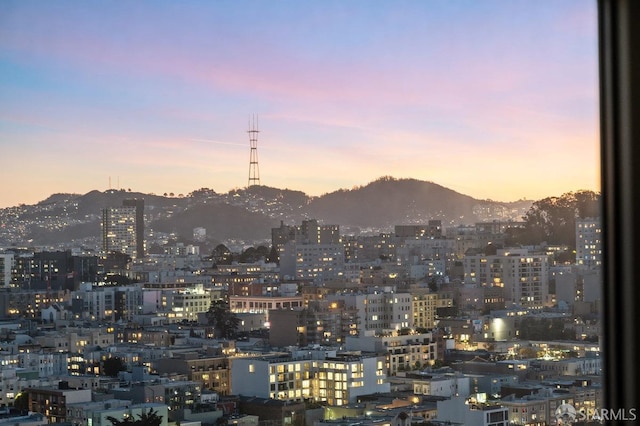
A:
x: 250, y: 212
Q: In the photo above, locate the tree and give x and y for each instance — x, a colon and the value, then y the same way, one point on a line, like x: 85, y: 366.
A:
x: 222, y: 255
x: 564, y: 257
x: 112, y: 366
x: 117, y: 280
x: 21, y: 402
x: 248, y: 255
x: 528, y: 352
x: 544, y: 329
x: 252, y: 254
x: 433, y: 285
x: 224, y: 321
x: 150, y: 418
x: 155, y: 249
x: 553, y: 219
x: 273, y: 256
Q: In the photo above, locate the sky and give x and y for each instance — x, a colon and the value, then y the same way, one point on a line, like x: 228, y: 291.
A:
x: 493, y: 99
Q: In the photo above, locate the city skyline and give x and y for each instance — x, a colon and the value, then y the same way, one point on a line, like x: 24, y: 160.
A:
x: 492, y: 99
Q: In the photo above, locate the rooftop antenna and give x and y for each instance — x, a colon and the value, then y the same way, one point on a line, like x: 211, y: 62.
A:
x: 254, y: 170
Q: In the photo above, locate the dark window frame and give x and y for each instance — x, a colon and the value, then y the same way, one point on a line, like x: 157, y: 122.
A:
x: 619, y: 64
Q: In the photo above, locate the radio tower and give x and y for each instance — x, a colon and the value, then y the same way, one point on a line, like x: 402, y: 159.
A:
x: 254, y: 170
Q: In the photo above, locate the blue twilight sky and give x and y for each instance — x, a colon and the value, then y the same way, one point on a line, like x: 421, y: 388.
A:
x: 494, y: 99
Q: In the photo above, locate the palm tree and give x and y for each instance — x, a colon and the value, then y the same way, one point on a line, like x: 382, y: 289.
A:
x: 145, y: 419
x: 150, y: 419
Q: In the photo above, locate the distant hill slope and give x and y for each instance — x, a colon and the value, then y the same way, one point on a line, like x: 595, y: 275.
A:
x: 284, y: 196
x: 222, y: 222
x: 387, y: 201
x: 93, y: 202
x: 250, y: 213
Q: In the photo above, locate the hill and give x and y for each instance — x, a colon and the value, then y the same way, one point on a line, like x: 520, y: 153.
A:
x: 222, y: 222
x: 249, y: 214
x: 388, y: 201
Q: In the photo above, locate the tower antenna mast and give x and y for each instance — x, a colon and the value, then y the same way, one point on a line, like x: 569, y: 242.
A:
x: 254, y: 170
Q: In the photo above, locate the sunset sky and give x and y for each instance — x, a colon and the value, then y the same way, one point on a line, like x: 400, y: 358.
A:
x: 494, y: 99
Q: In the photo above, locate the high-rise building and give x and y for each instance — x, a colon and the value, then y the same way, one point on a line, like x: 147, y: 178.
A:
x: 589, y: 242
x: 523, y: 275
x: 123, y: 228
x: 6, y: 265
x: 526, y: 279
x: 56, y: 270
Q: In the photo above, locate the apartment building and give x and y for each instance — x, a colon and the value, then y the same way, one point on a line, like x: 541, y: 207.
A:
x: 336, y: 379
x: 14, y: 380
x: 442, y: 385
x: 424, y: 306
x: 53, y: 402
x: 212, y: 372
x: 317, y: 262
x: 322, y: 322
x: 524, y: 275
x: 6, y: 266
x: 380, y: 310
x: 263, y: 304
x: 92, y: 302
x: 123, y: 228
x: 402, y: 351
x: 589, y: 242
x: 76, y: 339
x: 309, y: 232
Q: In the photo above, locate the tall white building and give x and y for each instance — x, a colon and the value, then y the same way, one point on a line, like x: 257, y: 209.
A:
x: 123, y: 228
x: 589, y: 242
